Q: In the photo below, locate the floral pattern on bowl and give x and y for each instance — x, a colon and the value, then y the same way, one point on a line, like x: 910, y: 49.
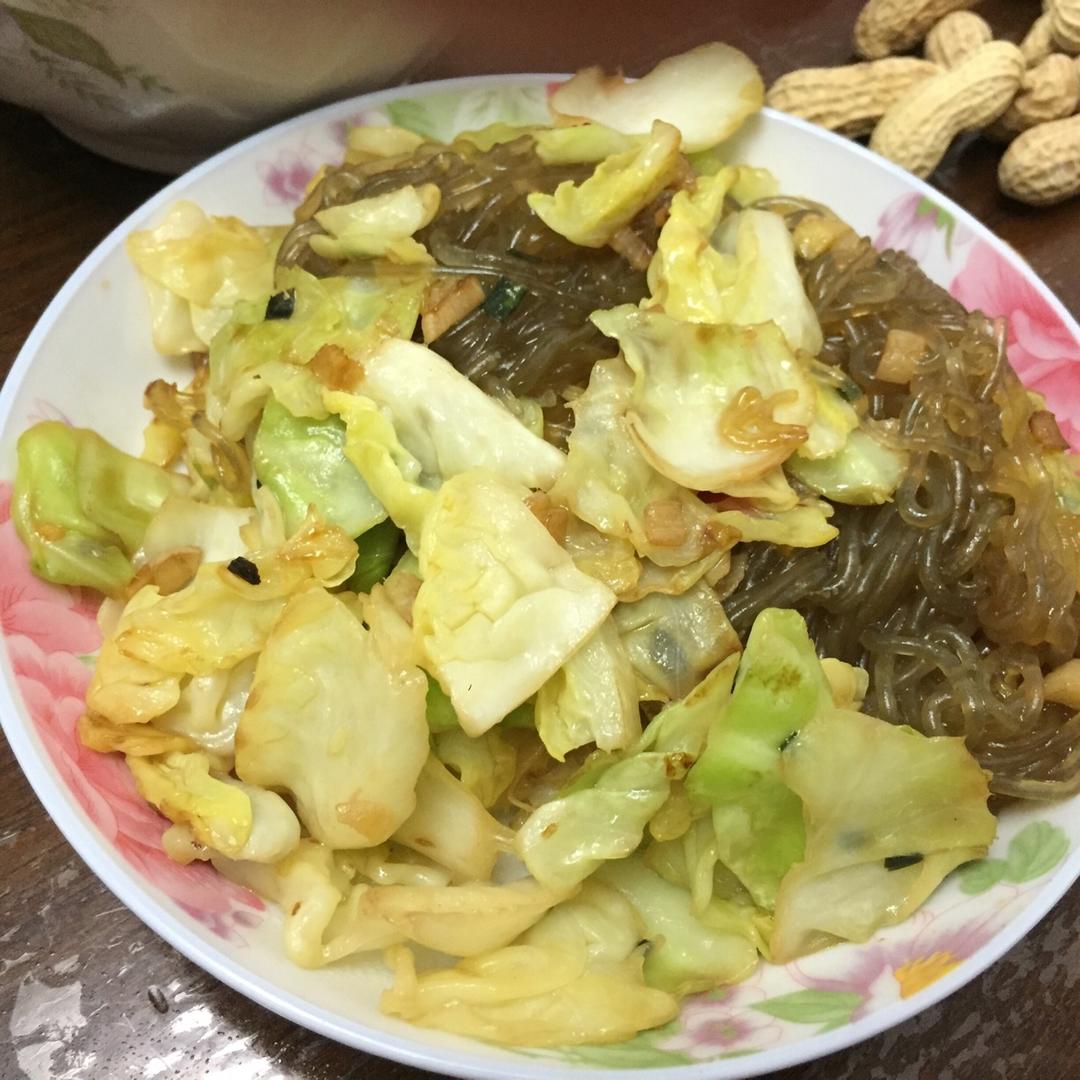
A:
x: 782, y: 1014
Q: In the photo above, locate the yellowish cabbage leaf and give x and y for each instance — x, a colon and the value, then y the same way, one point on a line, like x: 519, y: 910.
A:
x: 575, y: 977
x: 739, y: 269
x: 502, y: 605
x: 327, y: 721
x: 449, y: 424
x: 195, y: 270
x: 592, y: 698
x: 591, y: 212
x: 391, y: 472
x: 609, y: 483
x: 486, y: 765
x: 380, y: 225
x: 236, y: 819
x: 706, y: 92
x: 712, y: 405
x: 451, y: 826
x: 889, y: 813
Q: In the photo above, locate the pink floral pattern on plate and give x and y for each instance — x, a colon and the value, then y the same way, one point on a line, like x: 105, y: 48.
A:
x: 51, y: 635
x: 285, y: 176
x: 717, y: 1024
x: 1042, y: 349
x: 912, y: 224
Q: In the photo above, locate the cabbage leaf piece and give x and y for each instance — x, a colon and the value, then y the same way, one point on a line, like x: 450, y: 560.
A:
x: 672, y: 641
x: 366, y: 142
x: 182, y: 522
x: 706, y: 92
x: 236, y: 819
x: 688, y: 953
x: 835, y: 417
x: 196, y: 268
x: 136, y: 740
x: 502, y: 605
x: 334, y: 323
x: 218, y: 620
x: 207, y: 713
x: 804, y: 525
x: 591, y: 212
x: 319, y: 903
x: 604, y: 813
x: 486, y: 765
x: 609, y: 483
x: 582, y: 144
x: 449, y: 424
x: 758, y: 819
x: 380, y: 225
x: 592, y: 698
x: 81, y: 506
x: 712, y: 405
x: 328, y: 722
x: 210, y: 626
x: 691, y: 861
x: 302, y: 461
x: 889, y: 812
x: 461, y: 920
x: 451, y: 826
x: 391, y: 473
x: 863, y: 472
x: 575, y: 977
x: 740, y: 269
x: 330, y: 915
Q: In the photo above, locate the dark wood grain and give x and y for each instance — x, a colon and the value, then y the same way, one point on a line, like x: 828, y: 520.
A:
x: 62, y: 935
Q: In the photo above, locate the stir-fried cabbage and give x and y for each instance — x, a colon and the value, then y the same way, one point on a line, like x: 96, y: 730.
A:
x: 687, y: 952
x: 609, y: 483
x: 673, y: 641
x: 81, y: 506
x: 449, y: 424
x: 575, y: 977
x: 329, y: 723
x: 889, y: 813
x: 241, y: 821
x: 739, y: 269
x: 605, y: 815
x: 592, y: 699
x: 379, y: 225
x: 196, y: 268
x: 451, y: 826
x: 502, y: 606
x: 757, y: 817
x: 592, y: 212
x: 706, y: 93
x: 864, y: 471
x: 334, y: 322
x: 391, y: 473
x: 302, y: 461
x: 712, y: 405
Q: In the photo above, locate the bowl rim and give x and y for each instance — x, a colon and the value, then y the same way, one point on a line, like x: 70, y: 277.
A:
x: 57, y: 802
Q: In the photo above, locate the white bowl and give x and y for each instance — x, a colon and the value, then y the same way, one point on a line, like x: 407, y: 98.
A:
x: 87, y: 361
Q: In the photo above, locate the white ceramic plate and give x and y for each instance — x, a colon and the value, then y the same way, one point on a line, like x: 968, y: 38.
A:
x: 89, y: 358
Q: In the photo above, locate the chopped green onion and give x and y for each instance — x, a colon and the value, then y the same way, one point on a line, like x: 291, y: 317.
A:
x: 380, y: 547
x: 503, y: 298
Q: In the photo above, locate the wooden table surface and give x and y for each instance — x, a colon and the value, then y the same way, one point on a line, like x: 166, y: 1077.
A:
x: 75, y: 967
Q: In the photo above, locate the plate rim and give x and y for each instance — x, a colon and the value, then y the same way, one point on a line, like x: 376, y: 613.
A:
x: 41, y: 774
